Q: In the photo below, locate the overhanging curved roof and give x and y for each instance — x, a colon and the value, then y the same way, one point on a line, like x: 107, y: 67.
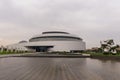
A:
x: 55, y: 34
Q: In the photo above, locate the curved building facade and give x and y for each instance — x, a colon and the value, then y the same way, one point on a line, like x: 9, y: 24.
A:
x: 53, y: 41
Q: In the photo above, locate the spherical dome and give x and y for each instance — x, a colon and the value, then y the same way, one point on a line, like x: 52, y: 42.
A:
x: 54, y: 36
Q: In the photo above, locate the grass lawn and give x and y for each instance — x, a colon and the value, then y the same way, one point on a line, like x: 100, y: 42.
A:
x: 4, y: 53
x: 101, y: 54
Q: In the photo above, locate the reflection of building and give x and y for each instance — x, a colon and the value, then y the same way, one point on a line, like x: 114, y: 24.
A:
x: 52, y: 41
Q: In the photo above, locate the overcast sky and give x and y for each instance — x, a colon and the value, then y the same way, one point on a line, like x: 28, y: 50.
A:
x: 92, y: 20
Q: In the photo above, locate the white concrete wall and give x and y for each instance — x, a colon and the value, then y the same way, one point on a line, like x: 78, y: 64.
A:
x: 61, y: 45
x: 58, y: 45
x: 19, y: 47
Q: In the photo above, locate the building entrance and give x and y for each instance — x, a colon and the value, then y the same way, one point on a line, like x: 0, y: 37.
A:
x: 41, y: 48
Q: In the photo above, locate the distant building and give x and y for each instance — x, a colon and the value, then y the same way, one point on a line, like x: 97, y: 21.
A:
x: 2, y: 48
x: 51, y: 41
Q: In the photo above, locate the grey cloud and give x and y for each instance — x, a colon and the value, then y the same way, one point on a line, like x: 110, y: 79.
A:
x: 93, y: 20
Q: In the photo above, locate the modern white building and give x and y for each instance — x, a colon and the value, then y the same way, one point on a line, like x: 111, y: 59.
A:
x: 52, y: 41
